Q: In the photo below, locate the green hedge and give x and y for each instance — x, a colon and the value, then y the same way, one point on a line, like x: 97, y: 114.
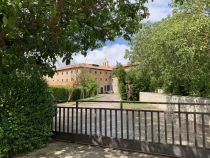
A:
x: 76, y: 94
x: 60, y: 92
x: 25, y: 113
x: 63, y: 92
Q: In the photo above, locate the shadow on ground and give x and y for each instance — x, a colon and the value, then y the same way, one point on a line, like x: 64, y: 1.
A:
x: 58, y: 149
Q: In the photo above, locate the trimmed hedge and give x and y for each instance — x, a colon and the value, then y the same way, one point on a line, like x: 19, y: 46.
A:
x: 63, y: 92
x: 77, y: 94
x: 25, y: 112
x: 60, y: 92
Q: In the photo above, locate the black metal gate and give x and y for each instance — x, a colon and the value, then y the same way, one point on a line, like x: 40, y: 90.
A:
x: 175, y: 133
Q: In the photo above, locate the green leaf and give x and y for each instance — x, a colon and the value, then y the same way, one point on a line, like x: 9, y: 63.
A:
x: 11, y: 21
x: 54, y: 12
x: 31, y: 60
x: 5, y: 20
x: 17, y: 1
x: 41, y: 2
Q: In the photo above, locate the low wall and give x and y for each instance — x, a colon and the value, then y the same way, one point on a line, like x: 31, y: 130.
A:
x: 155, y: 97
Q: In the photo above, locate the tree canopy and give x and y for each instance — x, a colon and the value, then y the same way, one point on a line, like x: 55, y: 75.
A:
x: 39, y: 31
x: 175, y: 51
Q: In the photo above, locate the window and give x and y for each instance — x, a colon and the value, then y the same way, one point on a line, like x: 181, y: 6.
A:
x: 95, y: 72
x: 57, y: 73
x: 105, y: 72
x: 71, y: 72
x: 100, y: 79
x: 106, y: 79
x: 62, y: 73
x: 89, y: 71
x: 67, y: 80
x: 100, y: 72
x: 62, y: 79
x: 110, y: 73
x: 66, y: 72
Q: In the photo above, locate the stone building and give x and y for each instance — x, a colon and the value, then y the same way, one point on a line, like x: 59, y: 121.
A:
x: 68, y: 75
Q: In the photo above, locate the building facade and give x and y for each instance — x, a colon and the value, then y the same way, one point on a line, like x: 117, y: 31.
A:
x: 68, y: 75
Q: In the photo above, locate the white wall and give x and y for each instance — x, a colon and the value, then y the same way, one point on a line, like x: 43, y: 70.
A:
x: 155, y: 97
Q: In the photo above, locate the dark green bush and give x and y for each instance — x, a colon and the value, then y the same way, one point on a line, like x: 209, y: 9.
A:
x: 63, y: 92
x: 60, y: 92
x: 25, y: 112
x: 76, y: 94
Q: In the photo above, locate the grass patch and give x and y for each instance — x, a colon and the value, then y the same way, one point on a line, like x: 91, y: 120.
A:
x: 136, y: 104
x: 92, y: 98
x: 69, y: 103
x: 86, y: 99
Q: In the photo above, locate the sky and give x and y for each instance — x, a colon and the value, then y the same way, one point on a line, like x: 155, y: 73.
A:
x: 115, y: 51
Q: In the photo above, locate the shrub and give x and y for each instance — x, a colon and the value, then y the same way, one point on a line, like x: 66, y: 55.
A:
x: 60, y: 92
x: 25, y: 112
x: 76, y: 94
x: 63, y: 92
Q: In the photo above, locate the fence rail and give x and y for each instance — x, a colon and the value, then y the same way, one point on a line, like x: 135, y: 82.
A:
x: 154, y: 131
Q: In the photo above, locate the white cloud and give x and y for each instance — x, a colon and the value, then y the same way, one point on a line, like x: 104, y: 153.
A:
x: 158, y: 9
x: 112, y: 53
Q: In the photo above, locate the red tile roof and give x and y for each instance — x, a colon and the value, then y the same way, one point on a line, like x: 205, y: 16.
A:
x: 84, y: 65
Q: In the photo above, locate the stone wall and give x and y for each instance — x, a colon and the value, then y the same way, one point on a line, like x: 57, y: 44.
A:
x: 115, y: 84
x: 155, y: 97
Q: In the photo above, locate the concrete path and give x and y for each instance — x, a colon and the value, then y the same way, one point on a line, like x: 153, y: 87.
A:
x: 71, y: 150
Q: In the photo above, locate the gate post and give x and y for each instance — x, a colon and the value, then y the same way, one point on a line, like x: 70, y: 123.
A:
x: 77, y: 117
x: 180, y: 132
x: 121, y: 110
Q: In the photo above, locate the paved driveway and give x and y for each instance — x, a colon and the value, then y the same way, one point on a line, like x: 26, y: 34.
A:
x: 105, y: 97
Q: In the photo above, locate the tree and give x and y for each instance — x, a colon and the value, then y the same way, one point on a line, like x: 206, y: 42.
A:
x: 175, y: 51
x: 38, y: 31
x: 120, y: 73
x: 140, y: 83
x: 87, y: 83
x: 91, y: 85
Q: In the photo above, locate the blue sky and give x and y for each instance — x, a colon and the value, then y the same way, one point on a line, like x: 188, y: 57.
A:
x: 115, y: 51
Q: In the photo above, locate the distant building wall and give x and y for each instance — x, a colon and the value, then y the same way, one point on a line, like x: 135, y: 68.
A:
x: 69, y: 75
x: 155, y: 97
x: 115, y: 84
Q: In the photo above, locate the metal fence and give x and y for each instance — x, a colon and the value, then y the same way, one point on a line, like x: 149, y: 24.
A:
x: 150, y: 131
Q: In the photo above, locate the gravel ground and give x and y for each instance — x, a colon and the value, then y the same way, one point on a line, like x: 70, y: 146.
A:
x: 58, y: 149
